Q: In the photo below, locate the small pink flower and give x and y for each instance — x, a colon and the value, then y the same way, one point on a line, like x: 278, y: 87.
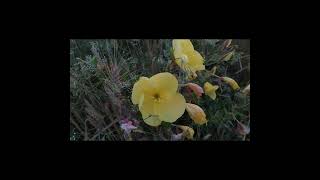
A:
x: 125, y: 120
x: 196, y: 89
x: 128, y: 125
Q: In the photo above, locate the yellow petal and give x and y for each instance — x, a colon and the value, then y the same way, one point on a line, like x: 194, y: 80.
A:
x: 195, y: 59
x: 150, y: 120
x: 188, y: 132
x: 186, y: 45
x: 141, y: 101
x: 209, y: 87
x: 171, y: 110
x: 182, y: 45
x: 147, y: 104
x: 177, y: 50
x: 234, y: 85
x: 165, y: 82
x: 196, y: 114
x: 139, y: 88
x: 212, y: 95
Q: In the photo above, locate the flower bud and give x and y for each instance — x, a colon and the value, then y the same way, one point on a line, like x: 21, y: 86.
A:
x: 195, y: 88
x: 234, y: 85
x: 187, y: 132
x: 196, y: 114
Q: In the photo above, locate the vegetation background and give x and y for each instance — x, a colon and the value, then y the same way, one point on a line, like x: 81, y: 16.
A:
x: 102, y: 74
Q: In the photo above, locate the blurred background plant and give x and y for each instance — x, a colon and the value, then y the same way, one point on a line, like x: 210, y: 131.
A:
x: 102, y: 73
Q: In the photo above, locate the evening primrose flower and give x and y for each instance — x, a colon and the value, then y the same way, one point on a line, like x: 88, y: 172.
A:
x: 210, y: 90
x: 234, y: 85
x: 196, y: 114
x: 158, y: 98
x: 187, y: 58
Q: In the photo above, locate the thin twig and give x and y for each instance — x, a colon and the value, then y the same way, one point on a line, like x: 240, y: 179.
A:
x: 234, y: 117
x: 245, y: 56
x: 240, y: 64
x: 85, y: 130
x: 242, y: 70
x: 216, y: 76
x: 96, y: 135
x: 225, y: 73
x: 77, y: 126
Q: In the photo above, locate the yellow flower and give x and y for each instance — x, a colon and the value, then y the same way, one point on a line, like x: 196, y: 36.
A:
x: 234, y: 85
x: 158, y: 98
x: 187, y: 132
x: 187, y: 58
x: 210, y: 90
x: 196, y: 114
x: 196, y: 89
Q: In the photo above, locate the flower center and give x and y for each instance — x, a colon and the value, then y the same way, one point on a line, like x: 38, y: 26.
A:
x: 156, y: 97
x: 184, y: 59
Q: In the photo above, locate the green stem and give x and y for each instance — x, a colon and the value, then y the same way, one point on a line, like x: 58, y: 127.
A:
x: 216, y: 76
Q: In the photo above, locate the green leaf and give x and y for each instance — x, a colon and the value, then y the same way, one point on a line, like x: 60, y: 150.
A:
x: 94, y: 61
x: 165, y: 124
